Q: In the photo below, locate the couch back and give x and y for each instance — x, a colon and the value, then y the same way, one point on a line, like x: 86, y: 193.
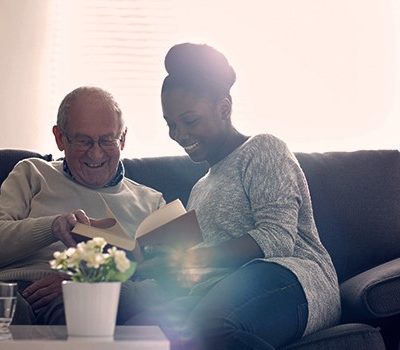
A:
x: 173, y: 176
x: 355, y: 196
x: 10, y: 157
x: 356, y: 202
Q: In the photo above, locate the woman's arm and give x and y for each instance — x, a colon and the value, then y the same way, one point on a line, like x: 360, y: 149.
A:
x: 232, y: 253
x: 271, y: 180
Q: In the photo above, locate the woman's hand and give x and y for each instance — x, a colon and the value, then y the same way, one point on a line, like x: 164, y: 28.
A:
x: 159, y: 261
x: 170, y: 266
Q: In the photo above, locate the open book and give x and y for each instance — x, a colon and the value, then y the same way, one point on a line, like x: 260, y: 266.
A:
x: 169, y: 225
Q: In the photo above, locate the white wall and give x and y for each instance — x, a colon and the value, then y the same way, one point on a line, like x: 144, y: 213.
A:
x: 23, y: 90
x: 321, y: 74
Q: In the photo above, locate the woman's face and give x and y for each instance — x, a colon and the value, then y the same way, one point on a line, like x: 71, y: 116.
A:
x: 198, y: 124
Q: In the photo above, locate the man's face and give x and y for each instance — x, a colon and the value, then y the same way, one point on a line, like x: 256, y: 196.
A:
x: 91, y: 119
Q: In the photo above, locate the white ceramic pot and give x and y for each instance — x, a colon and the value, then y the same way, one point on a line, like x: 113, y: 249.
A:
x: 91, y: 308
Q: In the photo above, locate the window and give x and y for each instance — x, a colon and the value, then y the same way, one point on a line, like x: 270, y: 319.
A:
x: 322, y: 75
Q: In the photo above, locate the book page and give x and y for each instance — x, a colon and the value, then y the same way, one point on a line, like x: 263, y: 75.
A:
x: 160, y: 217
x: 114, y: 235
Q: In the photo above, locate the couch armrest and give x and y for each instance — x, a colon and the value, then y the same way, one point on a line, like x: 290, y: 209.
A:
x: 372, y: 294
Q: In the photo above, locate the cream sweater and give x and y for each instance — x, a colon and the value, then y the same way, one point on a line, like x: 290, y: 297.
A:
x: 36, y: 192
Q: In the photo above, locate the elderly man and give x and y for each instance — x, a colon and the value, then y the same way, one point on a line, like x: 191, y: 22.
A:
x: 40, y: 202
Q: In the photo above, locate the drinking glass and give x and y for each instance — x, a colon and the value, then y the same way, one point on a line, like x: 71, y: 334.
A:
x: 8, y: 300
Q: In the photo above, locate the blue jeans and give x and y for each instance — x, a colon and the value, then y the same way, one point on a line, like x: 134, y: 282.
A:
x: 260, y: 306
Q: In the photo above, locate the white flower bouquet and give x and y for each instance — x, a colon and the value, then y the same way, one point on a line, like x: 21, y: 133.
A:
x: 88, y: 263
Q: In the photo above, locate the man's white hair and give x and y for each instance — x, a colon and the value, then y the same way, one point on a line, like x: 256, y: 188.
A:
x: 67, y: 102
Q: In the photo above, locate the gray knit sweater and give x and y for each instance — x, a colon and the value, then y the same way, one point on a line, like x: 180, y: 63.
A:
x: 259, y: 189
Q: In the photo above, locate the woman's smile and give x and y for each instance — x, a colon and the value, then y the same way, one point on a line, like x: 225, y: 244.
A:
x: 192, y: 147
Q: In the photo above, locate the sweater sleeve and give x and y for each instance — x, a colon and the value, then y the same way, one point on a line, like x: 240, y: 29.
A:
x: 271, y: 180
x: 20, y: 235
x: 161, y: 202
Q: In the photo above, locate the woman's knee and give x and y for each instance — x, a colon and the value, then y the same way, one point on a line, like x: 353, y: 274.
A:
x: 269, y: 312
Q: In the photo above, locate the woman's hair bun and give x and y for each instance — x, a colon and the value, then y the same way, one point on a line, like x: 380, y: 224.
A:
x: 198, y: 62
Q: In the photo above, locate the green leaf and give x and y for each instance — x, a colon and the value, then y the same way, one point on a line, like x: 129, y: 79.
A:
x: 114, y: 275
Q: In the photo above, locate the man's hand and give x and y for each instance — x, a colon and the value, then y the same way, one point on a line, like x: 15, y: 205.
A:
x: 63, y: 224
x: 44, y: 291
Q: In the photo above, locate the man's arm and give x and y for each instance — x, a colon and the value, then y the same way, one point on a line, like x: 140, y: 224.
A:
x: 21, y: 235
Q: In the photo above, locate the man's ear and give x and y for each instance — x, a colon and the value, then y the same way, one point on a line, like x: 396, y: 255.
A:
x: 225, y: 108
x: 59, y: 138
x: 123, y: 137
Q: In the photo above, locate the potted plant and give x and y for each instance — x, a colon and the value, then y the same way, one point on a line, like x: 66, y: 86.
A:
x: 91, y: 296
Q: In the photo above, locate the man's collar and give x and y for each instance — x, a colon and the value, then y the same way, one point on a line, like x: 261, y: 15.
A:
x: 119, y: 174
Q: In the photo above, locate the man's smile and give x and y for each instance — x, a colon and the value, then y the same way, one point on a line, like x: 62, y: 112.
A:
x: 94, y: 165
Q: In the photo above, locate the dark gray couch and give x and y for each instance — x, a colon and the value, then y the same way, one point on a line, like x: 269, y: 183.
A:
x: 356, y: 201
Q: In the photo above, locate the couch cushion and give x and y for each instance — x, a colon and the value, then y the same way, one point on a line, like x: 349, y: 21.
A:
x: 356, y: 202
x: 352, y: 336
x: 10, y: 157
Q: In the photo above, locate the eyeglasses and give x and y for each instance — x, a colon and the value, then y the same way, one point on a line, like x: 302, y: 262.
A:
x: 84, y: 143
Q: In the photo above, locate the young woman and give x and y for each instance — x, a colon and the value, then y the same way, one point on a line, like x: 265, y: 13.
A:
x: 269, y: 280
